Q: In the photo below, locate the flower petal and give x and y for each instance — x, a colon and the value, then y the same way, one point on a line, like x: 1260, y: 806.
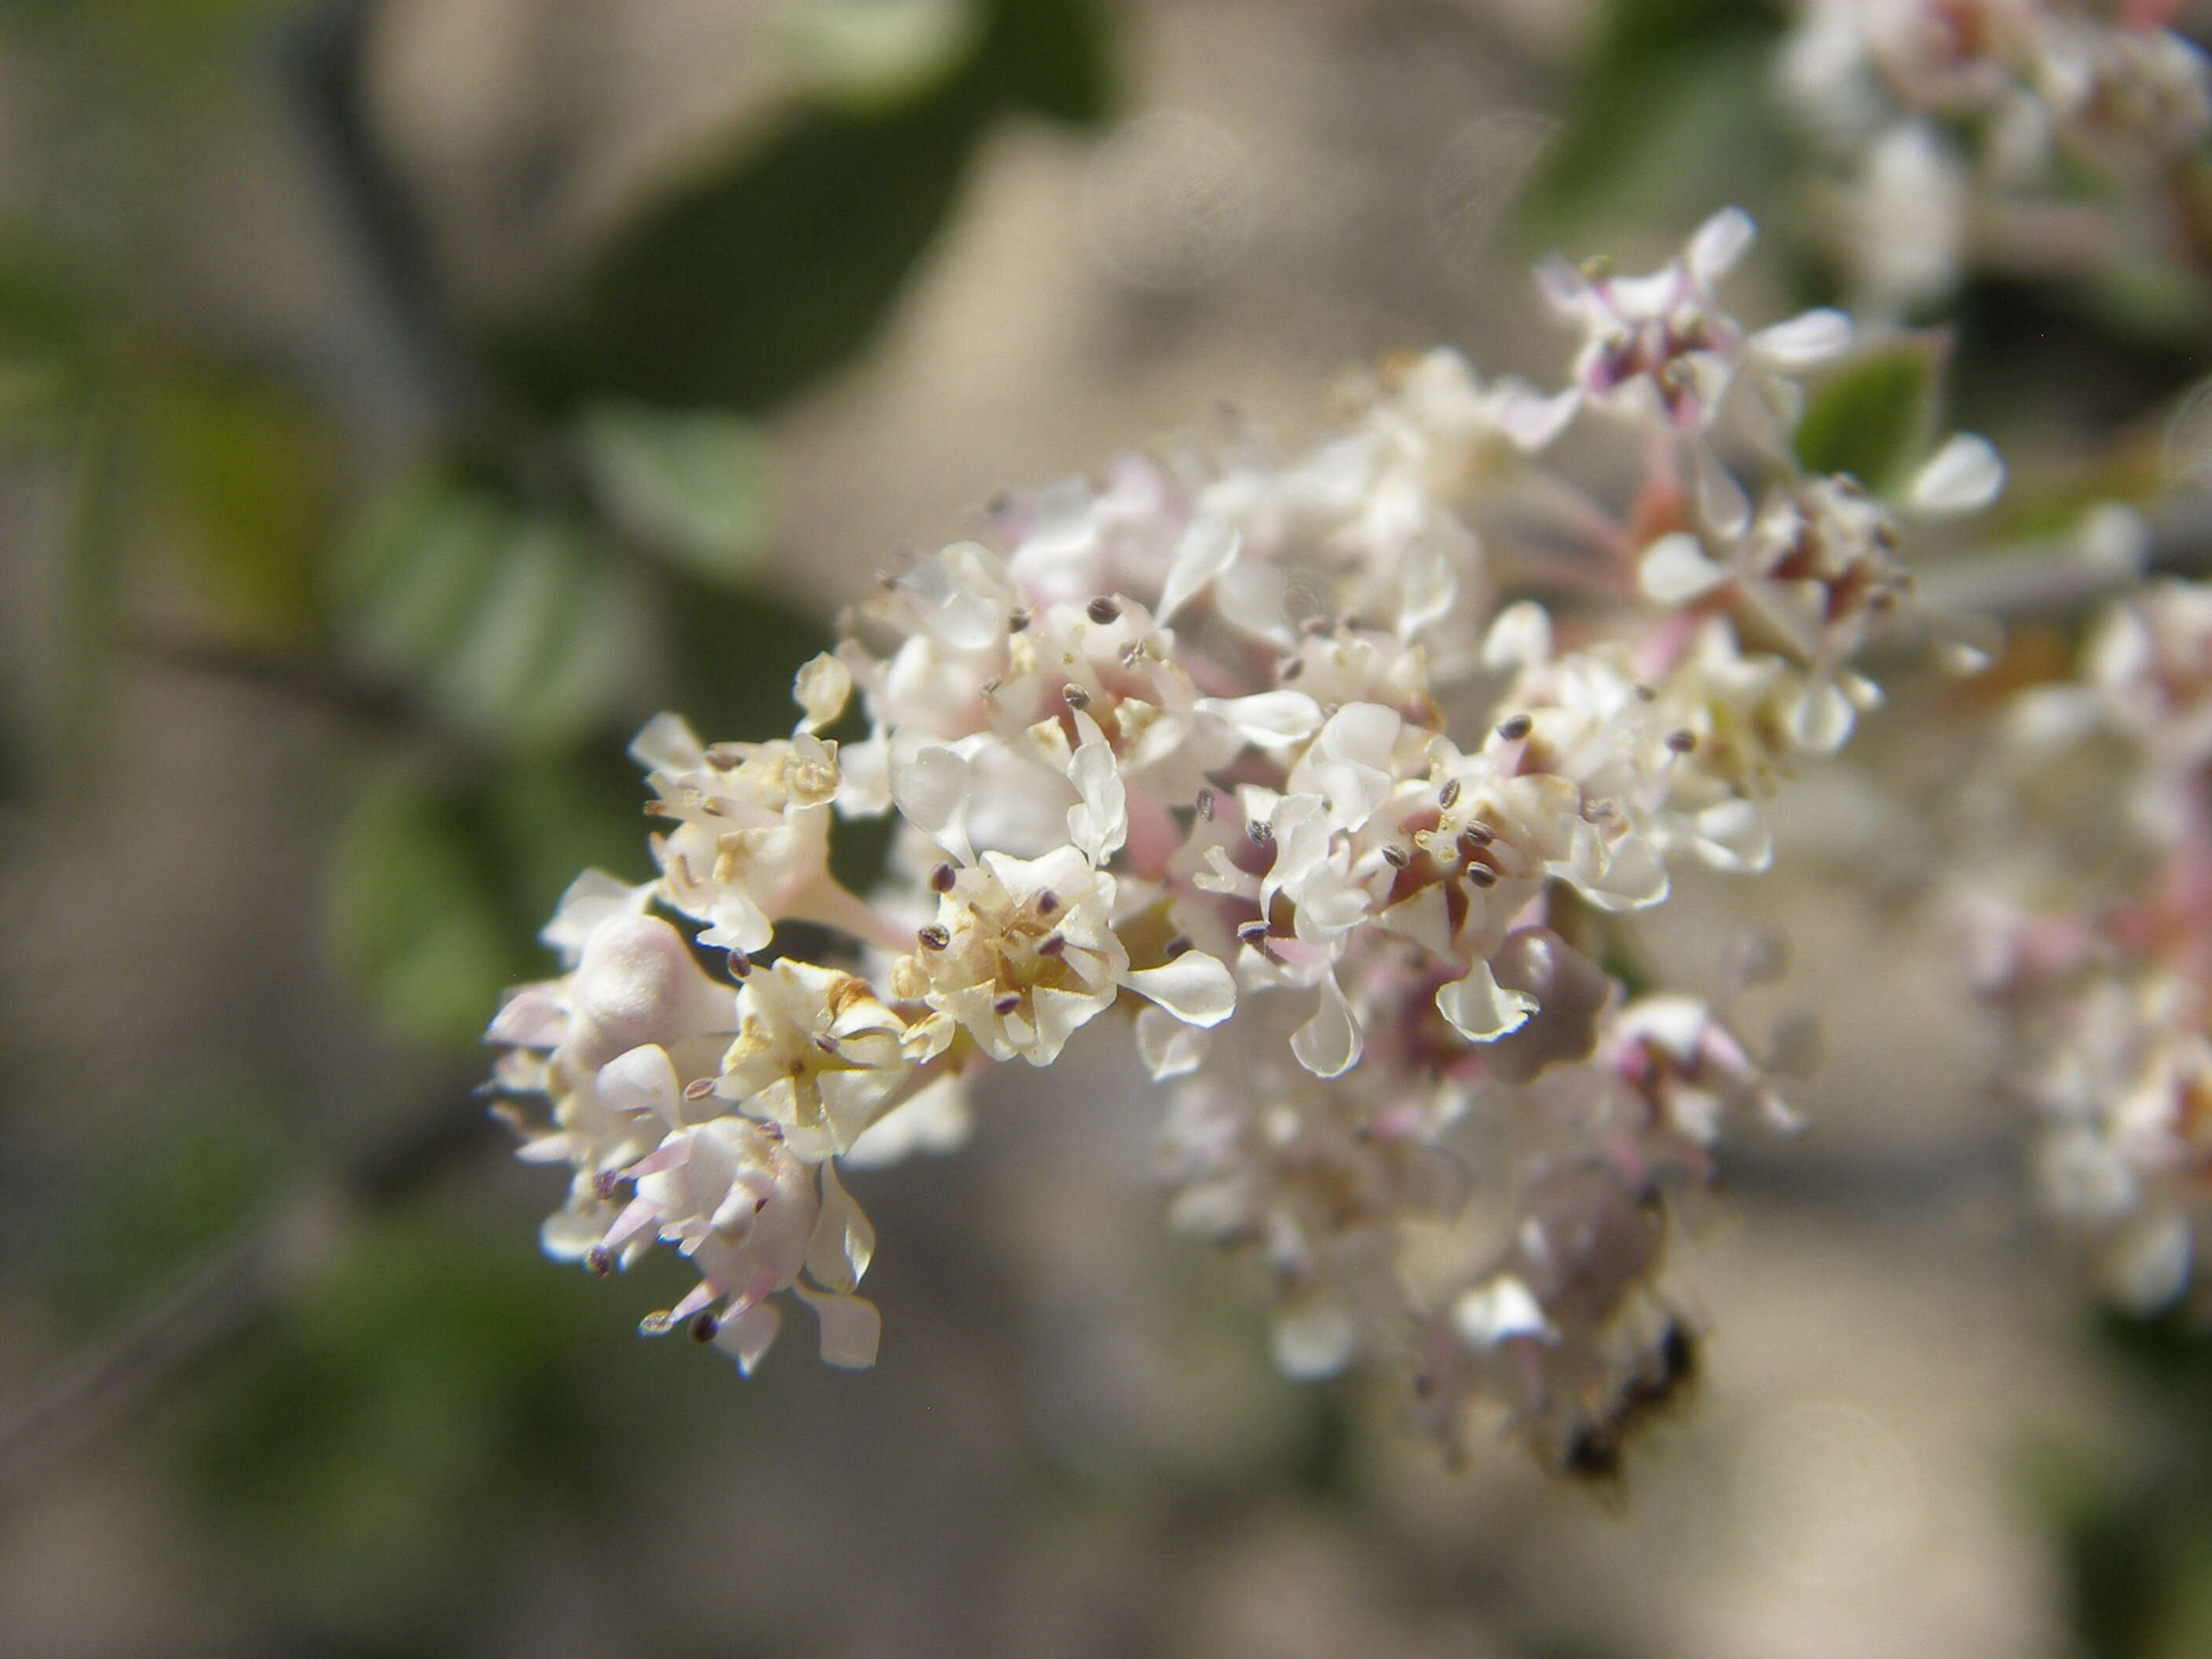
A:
x: 1328, y: 1045
x: 1479, y: 1008
x: 1720, y: 242
x: 1196, y: 987
x: 1674, y: 569
x: 1805, y: 341
x: 1209, y: 545
x: 1963, y: 477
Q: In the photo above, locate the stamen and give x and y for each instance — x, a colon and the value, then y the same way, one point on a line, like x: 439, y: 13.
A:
x: 1681, y: 742
x: 942, y: 878
x: 740, y: 964
x: 934, y: 937
x: 1448, y: 796
x: 1515, y: 728
x: 1077, y: 698
x: 1102, y: 610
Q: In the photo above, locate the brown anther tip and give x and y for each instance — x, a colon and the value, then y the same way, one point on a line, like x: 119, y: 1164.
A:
x: 1077, y: 698
x: 1646, y: 693
x: 705, y: 1328
x: 699, y: 1088
x: 942, y: 878
x: 989, y: 690
x: 1102, y: 610
x: 1396, y: 857
x: 934, y: 937
x: 1480, y: 833
x: 1204, y: 804
x: 598, y: 1261
x: 1517, y: 728
x: 1006, y: 1004
x: 1482, y: 875
x: 1052, y: 944
x: 740, y: 964
x: 657, y: 1324
x: 1681, y: 742
x: 1292, y: 670
x: 1132, y: 653
x: 1260, y: 831
x: 1018, y: 620
x: 1178, y: 946
x: 1448, y: 796
x: 1252, y: 931
x: 1047, y: 902
x: 606, y: 1184
x: 760, y: 1204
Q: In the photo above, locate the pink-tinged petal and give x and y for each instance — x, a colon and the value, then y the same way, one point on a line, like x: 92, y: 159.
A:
x: 1480, y: 1009
x: 1208, y: 546
x: 1328, y: 1045
x: 747, y: 1336
x: 1531, y: 420
x: 1563, y: 287
x: 1168, y: 1047
x: 1675, y: 571
x: 1195, y: 988
x: 852, y: 1329
x: 1721, y: 241
x: 1965, y: 476
x: 843, y: 1242
x: 1807, y: 341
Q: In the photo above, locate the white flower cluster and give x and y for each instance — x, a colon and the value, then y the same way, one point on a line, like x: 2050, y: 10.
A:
x: 2099, y: 953
x: 1260, y: 751
x: 1961, y: 123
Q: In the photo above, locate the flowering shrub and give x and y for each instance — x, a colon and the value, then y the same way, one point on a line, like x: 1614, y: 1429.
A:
x: 1962, y: 134
x: 1333, y: 776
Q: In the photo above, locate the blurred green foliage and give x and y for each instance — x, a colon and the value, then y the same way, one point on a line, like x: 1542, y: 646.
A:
x: 1872, y: 418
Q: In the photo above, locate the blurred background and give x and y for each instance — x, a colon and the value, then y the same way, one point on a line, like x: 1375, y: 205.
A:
x: 402, y: 399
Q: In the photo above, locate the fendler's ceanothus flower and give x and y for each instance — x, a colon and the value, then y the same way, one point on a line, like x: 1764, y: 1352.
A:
x: 1285, y: 767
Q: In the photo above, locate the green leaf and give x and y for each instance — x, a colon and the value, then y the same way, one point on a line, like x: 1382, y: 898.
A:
x: 515, y: 623
x: 1672, y: 118
x: 245, y: 478
x: 774, y: 264
x: 1054, y: 57
x: 417, y: 917
x: 1871, y: 418
x: 691, y: 482
x: 764, y: 270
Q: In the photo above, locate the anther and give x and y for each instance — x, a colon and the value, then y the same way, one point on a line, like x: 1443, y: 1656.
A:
x: 1517, y: 728
x: 1102, y: 610
x: 699, y: 1088
x: 935, y: 937
x: 1645, y: 693
x: 1179, y: 946
x: 1482, y: 875
x: 1292, y: 670
x: 1480, y: 833
x: 1260, y: 831
x: 657, y: 1324
x: 606, y: 1184
x: 1052, y: 944
x: 1448, y: 796
x: 1047, y: 902
x: 942, y: 878
x: 740, y: 964
x: 1010, y: 1003
x: 1681, y: 742
x: 1018, y: 620
x: 705, y: 1328
x: 598, y: 1261
x: 1251, y: 932
x: 1077, y: 698
x: 1396, y: 857
x: 1205, y: 805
